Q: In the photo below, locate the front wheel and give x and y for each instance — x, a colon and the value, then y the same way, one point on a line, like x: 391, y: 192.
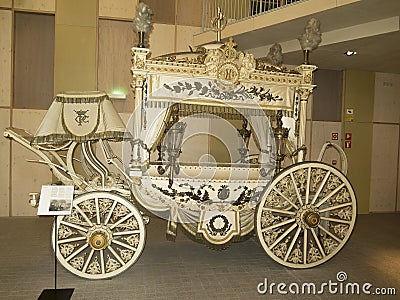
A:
x: 103, y: 236
x: 306, y: 215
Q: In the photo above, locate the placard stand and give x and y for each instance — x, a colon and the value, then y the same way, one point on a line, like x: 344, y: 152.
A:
x: 56, y: 201
x: 56, y: 294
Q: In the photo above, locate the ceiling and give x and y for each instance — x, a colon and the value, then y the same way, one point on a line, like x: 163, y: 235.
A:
x: 370, y: 27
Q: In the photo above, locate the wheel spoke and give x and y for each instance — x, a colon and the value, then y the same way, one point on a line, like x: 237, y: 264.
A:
x: 316, y: 239
x: 88, y: 261
x: 73, y: 226
x: 110, y: 213
x: 335, y: 207
x: 330, y: 234
x: 330, y: 195
x: 83, y: 215
x: 124, y: 245
x: 75, y: 239
x: 77, y: 252
x: 116, y: 255
x: 96, y: 201
x: 126, y: 232
x: 308, y: 185
x: 281, y: 211
x: 292, y: 243
x: 335, y: 220
x: 321, y: 186
x: 283, y: 236
x: 278, y: 225
x: 103, y: 270
x: 295, y: 188
x: 305, y: 241
x: 121, y: 220
x: 286, y: 198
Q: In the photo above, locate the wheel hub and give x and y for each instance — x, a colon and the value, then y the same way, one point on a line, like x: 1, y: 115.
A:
x: 312, y: 219
x: 99, y: 237
x: 308, y: 216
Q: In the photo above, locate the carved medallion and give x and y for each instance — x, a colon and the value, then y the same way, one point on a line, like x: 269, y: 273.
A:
x: 229, y: 72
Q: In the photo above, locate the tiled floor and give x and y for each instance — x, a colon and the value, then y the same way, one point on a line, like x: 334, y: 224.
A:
x: 188, y: 270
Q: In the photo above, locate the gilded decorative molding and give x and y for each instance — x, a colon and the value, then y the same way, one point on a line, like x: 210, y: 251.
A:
x: 304, y: 93
x: 228, y: 64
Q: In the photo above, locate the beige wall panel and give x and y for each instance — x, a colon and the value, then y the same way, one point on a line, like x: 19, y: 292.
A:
x: 117, y: 148
x: 398, y: 176
x: 37, y: 5
x: 195, y: 144
x: 224, y: 141
x: 75, y: 58
x: 77, y: 12
x: 309, y: 145
x: 327, y: 95
x: 189, y: 12
x: 359, y: 95
x: 384, y: 167
x: 220, y: 153
x: 359, y: 159
x: 322, y: 133
x: 5, y: 57
x: 195, y: 149
x: 117, y: 8
x: 162, y: 39
x: 26, y: 177
x: 387, y: 98
x: 34, y: 60
x: 114, y: 61
x: 163, y: 10
x: 184, y: 37
x: 5, y: 3
x: 4, y: 164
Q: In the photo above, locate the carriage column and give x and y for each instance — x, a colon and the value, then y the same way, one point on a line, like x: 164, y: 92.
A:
x: 304, y: 91
x: 139, y: 73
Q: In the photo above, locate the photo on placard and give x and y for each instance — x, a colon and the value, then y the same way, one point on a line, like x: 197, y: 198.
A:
x: 60, y: 205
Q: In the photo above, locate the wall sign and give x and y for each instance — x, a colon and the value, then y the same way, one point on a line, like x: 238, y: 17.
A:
x: 349, y: 114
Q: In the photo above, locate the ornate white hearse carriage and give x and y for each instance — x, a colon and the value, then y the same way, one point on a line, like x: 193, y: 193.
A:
x: 302, y: 212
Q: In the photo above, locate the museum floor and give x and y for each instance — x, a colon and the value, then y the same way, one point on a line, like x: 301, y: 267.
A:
x: 188, y: 270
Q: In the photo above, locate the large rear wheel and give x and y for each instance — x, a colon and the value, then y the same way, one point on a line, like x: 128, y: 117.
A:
x: 306, y: 215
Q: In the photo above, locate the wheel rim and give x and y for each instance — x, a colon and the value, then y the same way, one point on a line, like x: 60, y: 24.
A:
x: 103, y: 236
x: 306, y: 215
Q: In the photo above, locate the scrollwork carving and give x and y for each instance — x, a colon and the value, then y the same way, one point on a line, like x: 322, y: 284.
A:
x: 296, y: 256
x: 228, y: 64
x: 304, y: 93
x: 112, y: 264
x: 313, y: 254
x: 94, y: 267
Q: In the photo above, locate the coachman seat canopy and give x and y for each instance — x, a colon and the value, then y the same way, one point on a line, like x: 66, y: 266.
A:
x: 80, y: 117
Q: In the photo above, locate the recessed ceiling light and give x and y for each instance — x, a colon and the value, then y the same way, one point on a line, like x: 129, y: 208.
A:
x: 350, y: 53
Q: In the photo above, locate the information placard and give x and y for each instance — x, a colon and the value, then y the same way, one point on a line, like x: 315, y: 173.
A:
x: 56, y: 200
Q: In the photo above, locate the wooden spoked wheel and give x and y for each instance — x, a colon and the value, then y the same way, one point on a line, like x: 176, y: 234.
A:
x: 103, y: 236
x: 306, y: 215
